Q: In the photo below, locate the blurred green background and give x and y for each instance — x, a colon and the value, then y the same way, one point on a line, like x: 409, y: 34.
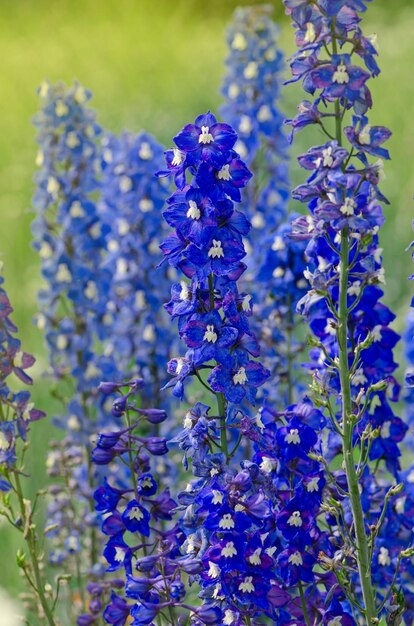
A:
x: 156, y: 64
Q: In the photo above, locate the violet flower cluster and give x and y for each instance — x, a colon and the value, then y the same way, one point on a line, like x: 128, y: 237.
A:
x: 274, y: 278
x: 289, y: 509
x: 17, y: 413
x: 97, y: 232
x: 130, y: 209
x: 352, y: 361
x: 70, y: 240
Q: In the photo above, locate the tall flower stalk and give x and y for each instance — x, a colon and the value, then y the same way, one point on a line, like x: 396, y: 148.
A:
x: 343, y: 225
x: 252, y: 89
x: 97, y: 231
x: 17, y: 413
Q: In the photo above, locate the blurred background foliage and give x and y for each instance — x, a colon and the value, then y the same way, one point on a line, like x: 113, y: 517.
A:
x: 156, y: 64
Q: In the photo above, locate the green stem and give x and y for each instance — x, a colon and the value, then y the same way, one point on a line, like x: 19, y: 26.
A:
x: 303, y: 603
x: 31, y: 543
x: 363, y: 555
x: 221, y: 401
x: 211, y: 290
x: 221, y: 407
x: 364, y: 562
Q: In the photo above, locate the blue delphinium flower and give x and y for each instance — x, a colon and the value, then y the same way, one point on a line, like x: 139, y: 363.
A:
x: 17, y: 413
x: 274, y: 278
x: 70, y: 240
x: 97, y: 231
x: 352, y: 358
x: 408, y: 395
x: 130, y: 210
x: 142, y: 540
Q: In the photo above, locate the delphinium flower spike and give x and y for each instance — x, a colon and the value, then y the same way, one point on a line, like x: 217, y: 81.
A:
x: 353, y: 355
x: 232, y: 511
x: 134, y: 326
x: 68, y: 235
x: 274, y: 278
x: 17, y: 412
x: 136, y: 517
x: 97, y: 231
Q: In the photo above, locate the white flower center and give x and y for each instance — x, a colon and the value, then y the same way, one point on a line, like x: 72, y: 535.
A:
x: 240, y: 377
x: 313, y: 484
x: 72, y: 140
x: 364, y: 137
x: 239, y: 42
x: 327, y: 157
x: 216, y: 251
x: 258, y: 220
x: 135, y: 513
x: 214, y: 570
x: 226, y: 522
x: 278, y: 244
x: 359, y: 377
x: 46, y: 250
x: 193, y: 212
x: 145, y: 151
x: 125, y: 184
x: 224, y: 173
x: 217, y: 595
x: 230, y: 617
x: 278, y: 272
x: 178, y: 157
x: 295, y: 519
x: 247, y: 586
x: 61, y: 342
x: 76, y: 209
x: 354, y: 289
x: 246, y: 303
x: 336, y: 621
x: 205, y: 135
x: 52, y: 185
x: 217, y: 497
x: 267, y: 465
x: 293, y: 436
x: 119, y: 554
x: 4, y: 444
x: 61, y: 108
x: 310, y: 34
x: 145, y: 205
x: 187, y: 422
x: 341, y: 75
x: 295, y: 558
x: 91, y: 290
x: 330, y: 327
x: 245, y: 125
x: 385, y: 430
x: 384, y: 557
x: 251, y: 70
x: 210, y: 335
x: 229, y: 550
x: 254, y: 558
x: 349, y: 206
x: 63, y: 274
x: 185, y: 292
x: 179, y: 366
x: 264, y: 114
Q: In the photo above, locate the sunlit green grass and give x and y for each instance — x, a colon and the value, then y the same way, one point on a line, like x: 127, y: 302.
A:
x: 156, y: 64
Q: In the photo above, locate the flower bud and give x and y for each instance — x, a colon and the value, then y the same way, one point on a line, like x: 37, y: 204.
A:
x: 156, y: 445
x: 155, y: 416
x: 119, y: 406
